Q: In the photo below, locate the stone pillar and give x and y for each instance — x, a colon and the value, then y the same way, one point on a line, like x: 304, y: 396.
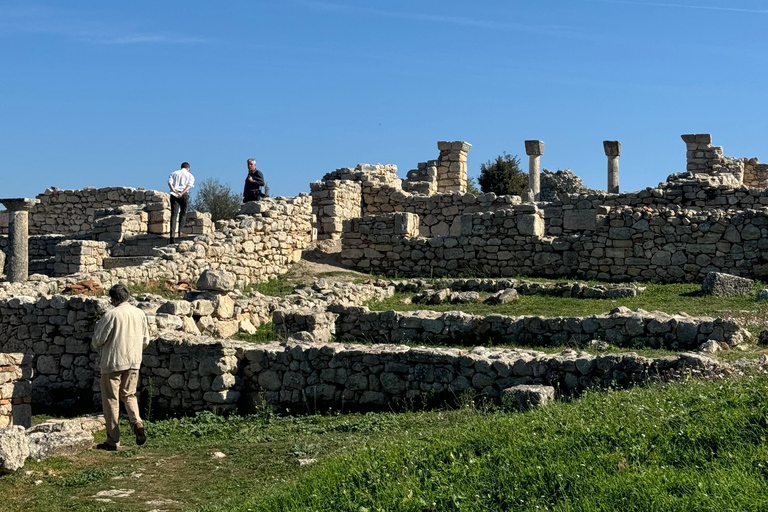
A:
x: 613, y: 152
x: 534, y: 149
x: 18, y: 239
x: 452, y: 166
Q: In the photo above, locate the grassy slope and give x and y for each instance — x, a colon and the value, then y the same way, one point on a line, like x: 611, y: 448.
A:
x: 698, y: 446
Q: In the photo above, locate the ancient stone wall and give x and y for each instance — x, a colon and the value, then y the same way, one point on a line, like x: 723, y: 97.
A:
x: 199, y: 374
x: 621, y: 327
x: 74, y: 211
x: 755, y: 174
x: 669, y: 243
x: 439, y: 214
x: 707, y: 161
x: 423, y: 179
x: 333, y: 202
x: 452, y: 166
x: 15, y: 390
x: 259, y: 244
x: 75, y: 256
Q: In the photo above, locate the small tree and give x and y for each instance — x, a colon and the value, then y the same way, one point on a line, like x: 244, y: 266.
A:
x: 503, y: 176
x: 266, y: 189
x: 216, y: 198
x: 472, y: 186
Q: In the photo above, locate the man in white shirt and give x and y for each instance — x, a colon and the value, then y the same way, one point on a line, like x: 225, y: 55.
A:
x: 180, y: 182
x: 120, y: 338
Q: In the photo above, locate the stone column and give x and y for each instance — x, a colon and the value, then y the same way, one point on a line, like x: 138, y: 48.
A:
x: 534, y: 149
x: 452, y: 166
x: 613, y: 152
x: 18, y: 239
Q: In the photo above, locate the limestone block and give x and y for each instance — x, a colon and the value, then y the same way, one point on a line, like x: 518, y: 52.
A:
x: 726, y: 285
x: 524, y: 397
x: 226, y: 328
x: 531, y: 225
x: 216, y: 280
x: 224, y: 307
x: 580, y: 220
x: 14, y: 449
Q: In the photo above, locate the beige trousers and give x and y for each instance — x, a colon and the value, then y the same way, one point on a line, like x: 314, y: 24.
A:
x: 122, y: 386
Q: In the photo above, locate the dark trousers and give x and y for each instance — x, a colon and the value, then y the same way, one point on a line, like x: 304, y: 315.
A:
x: 178, y: 211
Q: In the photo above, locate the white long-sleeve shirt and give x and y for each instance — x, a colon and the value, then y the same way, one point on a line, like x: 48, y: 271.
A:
x: 180, y: 180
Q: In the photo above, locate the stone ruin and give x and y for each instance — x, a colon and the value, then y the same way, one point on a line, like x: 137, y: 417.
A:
x: 710, y: 218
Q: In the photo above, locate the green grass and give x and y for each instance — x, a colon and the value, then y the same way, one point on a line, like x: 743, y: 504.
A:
x: 264, y: 334
x: 279, y: 286
x: 162, y: 288
x: 669, y: 298
x: 695, y: 446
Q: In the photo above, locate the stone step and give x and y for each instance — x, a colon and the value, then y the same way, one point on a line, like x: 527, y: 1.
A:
x: 125, y: 261
x: 144, y: 246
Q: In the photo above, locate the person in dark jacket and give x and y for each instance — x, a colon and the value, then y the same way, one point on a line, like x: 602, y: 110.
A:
x: 253, y: 183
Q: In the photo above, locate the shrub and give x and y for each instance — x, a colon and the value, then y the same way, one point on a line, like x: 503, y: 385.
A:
x: 216, y: 198
x: 503, y: 176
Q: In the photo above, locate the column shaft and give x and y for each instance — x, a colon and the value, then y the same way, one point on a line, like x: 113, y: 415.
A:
x: 18, y: 227
x: 613, y: 174
x: 534, y: 176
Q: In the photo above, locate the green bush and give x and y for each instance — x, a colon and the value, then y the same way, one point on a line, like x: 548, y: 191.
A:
x: 503, y: 176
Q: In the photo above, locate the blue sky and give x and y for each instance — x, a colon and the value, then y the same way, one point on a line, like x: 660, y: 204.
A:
x: 100, y: 94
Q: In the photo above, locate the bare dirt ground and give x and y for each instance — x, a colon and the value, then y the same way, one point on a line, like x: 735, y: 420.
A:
x: 322, y: 260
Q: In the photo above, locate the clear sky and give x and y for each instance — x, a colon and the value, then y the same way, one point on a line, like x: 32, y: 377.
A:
x: 97, y: 93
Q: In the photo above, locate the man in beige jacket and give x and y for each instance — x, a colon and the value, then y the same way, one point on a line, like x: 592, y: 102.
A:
x: 120, y: 337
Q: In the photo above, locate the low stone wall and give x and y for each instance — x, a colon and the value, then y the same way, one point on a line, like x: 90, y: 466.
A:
x: 307, y: 377
x: 73, y: 256
x: 621, y: 327
x: 523, y: 287
x: 15, y: 390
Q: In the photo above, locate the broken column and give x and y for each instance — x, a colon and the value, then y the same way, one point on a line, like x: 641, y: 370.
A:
x: 534, y: 149
x: 613, y: 152
x: 452, y: 166
x: 18, y: 239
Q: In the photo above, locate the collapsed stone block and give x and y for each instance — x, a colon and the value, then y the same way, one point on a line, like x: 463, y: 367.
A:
x: 525, y: 397
x: 13, y: 449
x: 726, y: 285
x: 216, y: 280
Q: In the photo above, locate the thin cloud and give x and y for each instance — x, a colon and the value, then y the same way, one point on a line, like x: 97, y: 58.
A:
x: 548, y: 30
x: 39, y: 20
x: 684, y: 6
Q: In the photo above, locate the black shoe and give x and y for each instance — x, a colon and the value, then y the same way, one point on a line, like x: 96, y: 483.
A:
x: 141, y: 436
x: 106, y: 447
x: 171, y: 241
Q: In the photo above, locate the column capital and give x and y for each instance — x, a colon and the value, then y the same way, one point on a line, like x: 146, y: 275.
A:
x: 453, y: 145
x: 612, y: 147
x: 19, y: 204
x: 534, y: 147
x: 697, y: 138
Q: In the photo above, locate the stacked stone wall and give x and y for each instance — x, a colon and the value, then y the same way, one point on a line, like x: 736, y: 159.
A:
x: 74, y: 211
x: 621, y: 327
x: 15, y: 390
x: 76, y: 256
x: 755, y: 174
x: 669, y: 244
x: 423, y: 179
x: 256, y: 246
x: 311, y: 377
x: 333, y: 202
